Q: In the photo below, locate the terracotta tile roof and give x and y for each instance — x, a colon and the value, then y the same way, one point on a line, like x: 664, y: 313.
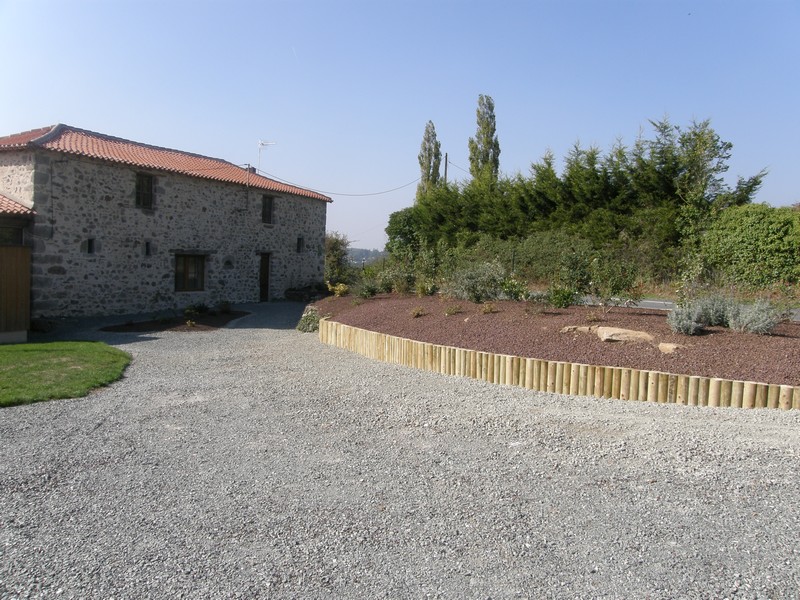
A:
x: 71, y: 140
x: 11, y: 207
x: 20, y: 140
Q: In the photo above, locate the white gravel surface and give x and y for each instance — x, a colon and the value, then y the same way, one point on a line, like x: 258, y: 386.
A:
x: 256, y: 462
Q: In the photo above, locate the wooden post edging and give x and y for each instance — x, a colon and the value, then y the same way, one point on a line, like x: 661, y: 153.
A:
x: 560, y: 377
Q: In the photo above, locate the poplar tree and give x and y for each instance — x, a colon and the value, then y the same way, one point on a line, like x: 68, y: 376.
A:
x: 484, y: 148
x: 430, y: 159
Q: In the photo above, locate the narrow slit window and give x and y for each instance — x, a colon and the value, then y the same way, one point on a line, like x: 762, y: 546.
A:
x: 145, y: 185
x: 90, y: 247
x: 301, y: 245
x: 267, y: 209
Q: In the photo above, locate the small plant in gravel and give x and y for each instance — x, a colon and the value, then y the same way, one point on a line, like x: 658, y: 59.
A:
x: 453, y: 309
x: 417, y: 312
x: 309, y: 321
x: 487, y: 308
x: 593, y: 317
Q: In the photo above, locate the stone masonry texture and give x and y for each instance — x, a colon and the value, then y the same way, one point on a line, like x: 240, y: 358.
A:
x: 95, y: 252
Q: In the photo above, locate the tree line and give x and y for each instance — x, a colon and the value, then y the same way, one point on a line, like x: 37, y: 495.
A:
x: 662, y: 203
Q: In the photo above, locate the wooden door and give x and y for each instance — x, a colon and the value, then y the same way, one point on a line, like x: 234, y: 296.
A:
x: 15, y: 293
x: 263, y: 278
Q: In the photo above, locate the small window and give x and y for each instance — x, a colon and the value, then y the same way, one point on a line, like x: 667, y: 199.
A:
x: 301, y: 244
x: 190, y: 272
x: 144, y: 190
x: 267, y: 207
x: 90, y: 247
x: 148, y: 249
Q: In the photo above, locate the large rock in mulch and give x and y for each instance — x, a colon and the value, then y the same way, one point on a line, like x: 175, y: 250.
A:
x: 612, y: 334
x: 617, y: 334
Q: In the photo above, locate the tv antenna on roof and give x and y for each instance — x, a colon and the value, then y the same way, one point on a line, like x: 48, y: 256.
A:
x: 261, y: 144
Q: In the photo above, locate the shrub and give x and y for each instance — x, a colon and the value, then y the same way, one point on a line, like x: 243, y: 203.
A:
x: 337, y: 265
x: 513, y: 289
x: 560, y: 296
x: 536, y: 303
x: 575, y: 271
x: 477, y: 283
x: 425, y: 287
x: 309, y: 321
x: 396, y: 278
x: 367, y: 288
x: 339, y: 289
x: 761, y: 317
x: 417, y: 312
x: 714, y: 310
x: 755, y: 245
x: 193, y: 310
x: 684, y: 320
x: 538, y: 257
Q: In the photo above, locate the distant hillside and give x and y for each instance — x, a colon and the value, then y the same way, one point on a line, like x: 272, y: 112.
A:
x: 357, y: 255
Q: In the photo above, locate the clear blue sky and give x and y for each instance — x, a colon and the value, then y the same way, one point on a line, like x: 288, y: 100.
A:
x: 345, y: 87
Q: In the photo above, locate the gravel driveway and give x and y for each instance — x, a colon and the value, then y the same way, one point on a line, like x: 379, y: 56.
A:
x: 256, y: 462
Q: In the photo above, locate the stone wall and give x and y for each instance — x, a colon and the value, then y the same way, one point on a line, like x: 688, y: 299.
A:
x: 16, y: 176
x: 95, y: 252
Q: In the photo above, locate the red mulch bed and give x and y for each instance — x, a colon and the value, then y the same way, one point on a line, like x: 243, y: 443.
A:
x: 522, y: 330
x: 204, y: 322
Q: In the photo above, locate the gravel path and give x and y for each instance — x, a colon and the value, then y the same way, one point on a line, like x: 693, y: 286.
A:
x: 255, y: 462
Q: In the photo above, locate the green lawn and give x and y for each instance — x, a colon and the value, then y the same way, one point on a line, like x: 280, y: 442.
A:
x: 36, y: 372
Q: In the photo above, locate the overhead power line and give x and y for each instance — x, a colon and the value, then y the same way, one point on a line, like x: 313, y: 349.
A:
x: 450, y: 162
x: 327, y: 193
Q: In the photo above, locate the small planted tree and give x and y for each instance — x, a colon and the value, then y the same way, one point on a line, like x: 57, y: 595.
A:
x: 337, y: 265
x: 614, y: 282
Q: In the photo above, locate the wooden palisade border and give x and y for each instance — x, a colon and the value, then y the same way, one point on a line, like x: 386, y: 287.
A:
x: 560, y: 377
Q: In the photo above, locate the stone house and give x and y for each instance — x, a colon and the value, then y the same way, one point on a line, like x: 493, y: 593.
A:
x: 116, y: 226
